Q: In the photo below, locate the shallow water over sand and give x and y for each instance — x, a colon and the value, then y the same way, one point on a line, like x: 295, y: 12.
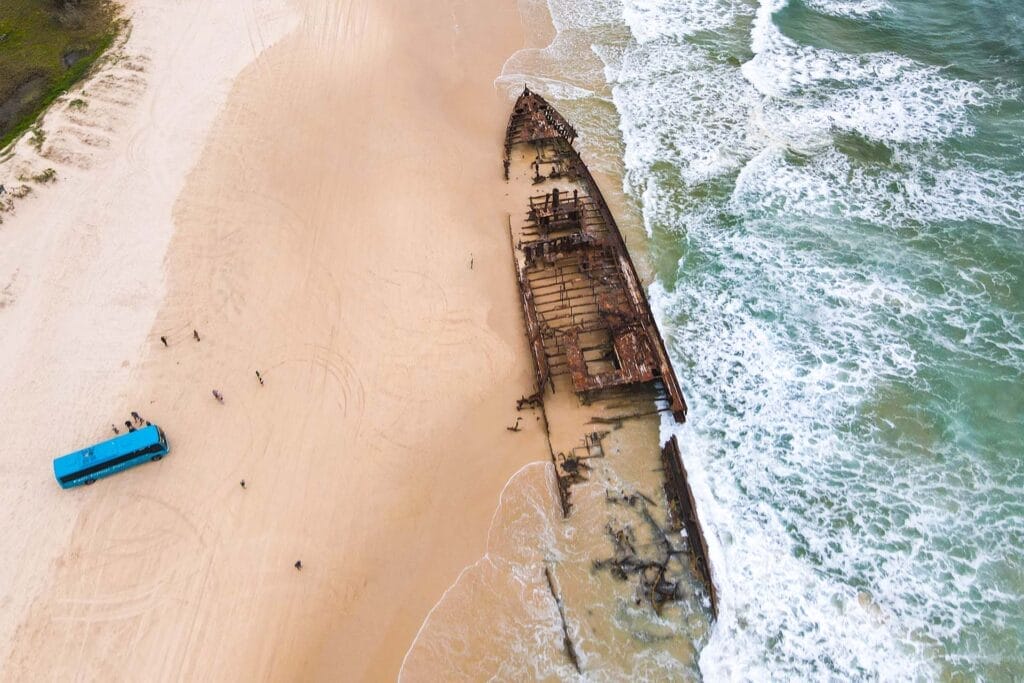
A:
x: 832, y: 194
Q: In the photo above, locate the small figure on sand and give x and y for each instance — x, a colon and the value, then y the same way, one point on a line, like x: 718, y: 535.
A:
x: 136, y: 417
x: 219, y: 396
x: 242, y: 483
x: 116, y: 430
x: 129, y: 425
x: 148, y: 423
x: 259, y: 377
x: 298, y: 565
x: 471, y: 260
x: 515, y: 427
x: 196, y: 335
x: 164, y: 340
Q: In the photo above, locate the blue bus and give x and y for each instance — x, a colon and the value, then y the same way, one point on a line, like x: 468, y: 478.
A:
x: 110, y: 457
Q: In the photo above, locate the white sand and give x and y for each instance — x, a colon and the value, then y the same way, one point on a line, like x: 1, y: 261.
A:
x: 313, y: 218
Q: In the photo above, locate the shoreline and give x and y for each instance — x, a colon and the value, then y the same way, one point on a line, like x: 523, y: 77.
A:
x: 358, y: 262
x: 546, y: 601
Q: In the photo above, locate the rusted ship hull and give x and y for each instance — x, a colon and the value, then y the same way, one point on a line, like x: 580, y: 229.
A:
x: 589, y: 324
x: 684, y: 513
x: 587, y: 313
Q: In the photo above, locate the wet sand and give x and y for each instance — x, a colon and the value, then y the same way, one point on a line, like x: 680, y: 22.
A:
x: 500, y: 620
x: 314, y: 219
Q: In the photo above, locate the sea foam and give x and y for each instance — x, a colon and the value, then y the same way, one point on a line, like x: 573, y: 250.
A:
x: 830, y: 318
x: 790, y: 324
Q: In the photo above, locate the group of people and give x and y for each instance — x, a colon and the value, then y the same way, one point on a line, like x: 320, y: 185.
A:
x: 133, y: 424
x: 220, y: 397
x: 216, y: 394
x: 195, y: 335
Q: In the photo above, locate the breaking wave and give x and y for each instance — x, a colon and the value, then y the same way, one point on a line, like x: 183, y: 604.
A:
x: 833, y: 197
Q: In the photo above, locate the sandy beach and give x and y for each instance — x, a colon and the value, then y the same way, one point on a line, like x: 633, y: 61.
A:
x: 315, y: 188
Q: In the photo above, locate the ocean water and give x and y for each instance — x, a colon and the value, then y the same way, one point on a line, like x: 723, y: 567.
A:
x: 831, y: 197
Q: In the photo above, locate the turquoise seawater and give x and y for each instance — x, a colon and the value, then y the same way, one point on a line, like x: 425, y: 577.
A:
x: 833, y: 198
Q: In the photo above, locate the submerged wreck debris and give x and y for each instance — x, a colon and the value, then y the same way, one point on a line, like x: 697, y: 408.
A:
x: 568, y: 471
x: 570, y: 468
x: 587, y: 314
x: 592, y: 446
x: 683, y: 512
x: 631, y: 499
x: 625, y: 559
x: 570, y: 648
x: 651, y: 560
x: 534, y: 401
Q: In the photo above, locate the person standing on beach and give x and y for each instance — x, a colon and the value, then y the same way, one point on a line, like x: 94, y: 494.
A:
x: 164, y: 340
x: 217, y: 395
x: 196, y: 335
x: 259, y: 377
x: 136, y: 417
x: 116, y: 430
x: 298, y: 565
x: 129, y: 425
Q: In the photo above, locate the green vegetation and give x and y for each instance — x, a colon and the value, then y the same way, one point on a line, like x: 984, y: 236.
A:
x: 47, y: 176
x: 38, y: 138
x: 46, y: 46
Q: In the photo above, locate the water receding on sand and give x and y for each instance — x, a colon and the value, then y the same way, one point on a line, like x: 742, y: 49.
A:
x: 499, y: 621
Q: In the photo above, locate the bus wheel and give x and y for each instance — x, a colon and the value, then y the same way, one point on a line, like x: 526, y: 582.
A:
x: 156, y: 457
x: 89, y: 481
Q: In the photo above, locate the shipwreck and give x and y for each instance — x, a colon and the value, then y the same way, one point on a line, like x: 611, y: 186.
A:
x: 587, y: 314
x: 588, y: 321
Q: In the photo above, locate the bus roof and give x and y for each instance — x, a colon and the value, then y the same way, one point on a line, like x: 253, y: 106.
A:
x: 106, y: 450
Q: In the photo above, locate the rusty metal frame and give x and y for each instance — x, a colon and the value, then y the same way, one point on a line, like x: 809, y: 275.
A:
x: 575, y: 276
x: 684, y: 509
x: 533, y: 331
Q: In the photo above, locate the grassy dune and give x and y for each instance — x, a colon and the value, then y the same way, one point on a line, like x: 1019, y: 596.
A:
x: 45, y: 47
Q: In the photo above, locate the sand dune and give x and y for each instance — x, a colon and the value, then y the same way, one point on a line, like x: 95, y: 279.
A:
x: 346, y: 180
